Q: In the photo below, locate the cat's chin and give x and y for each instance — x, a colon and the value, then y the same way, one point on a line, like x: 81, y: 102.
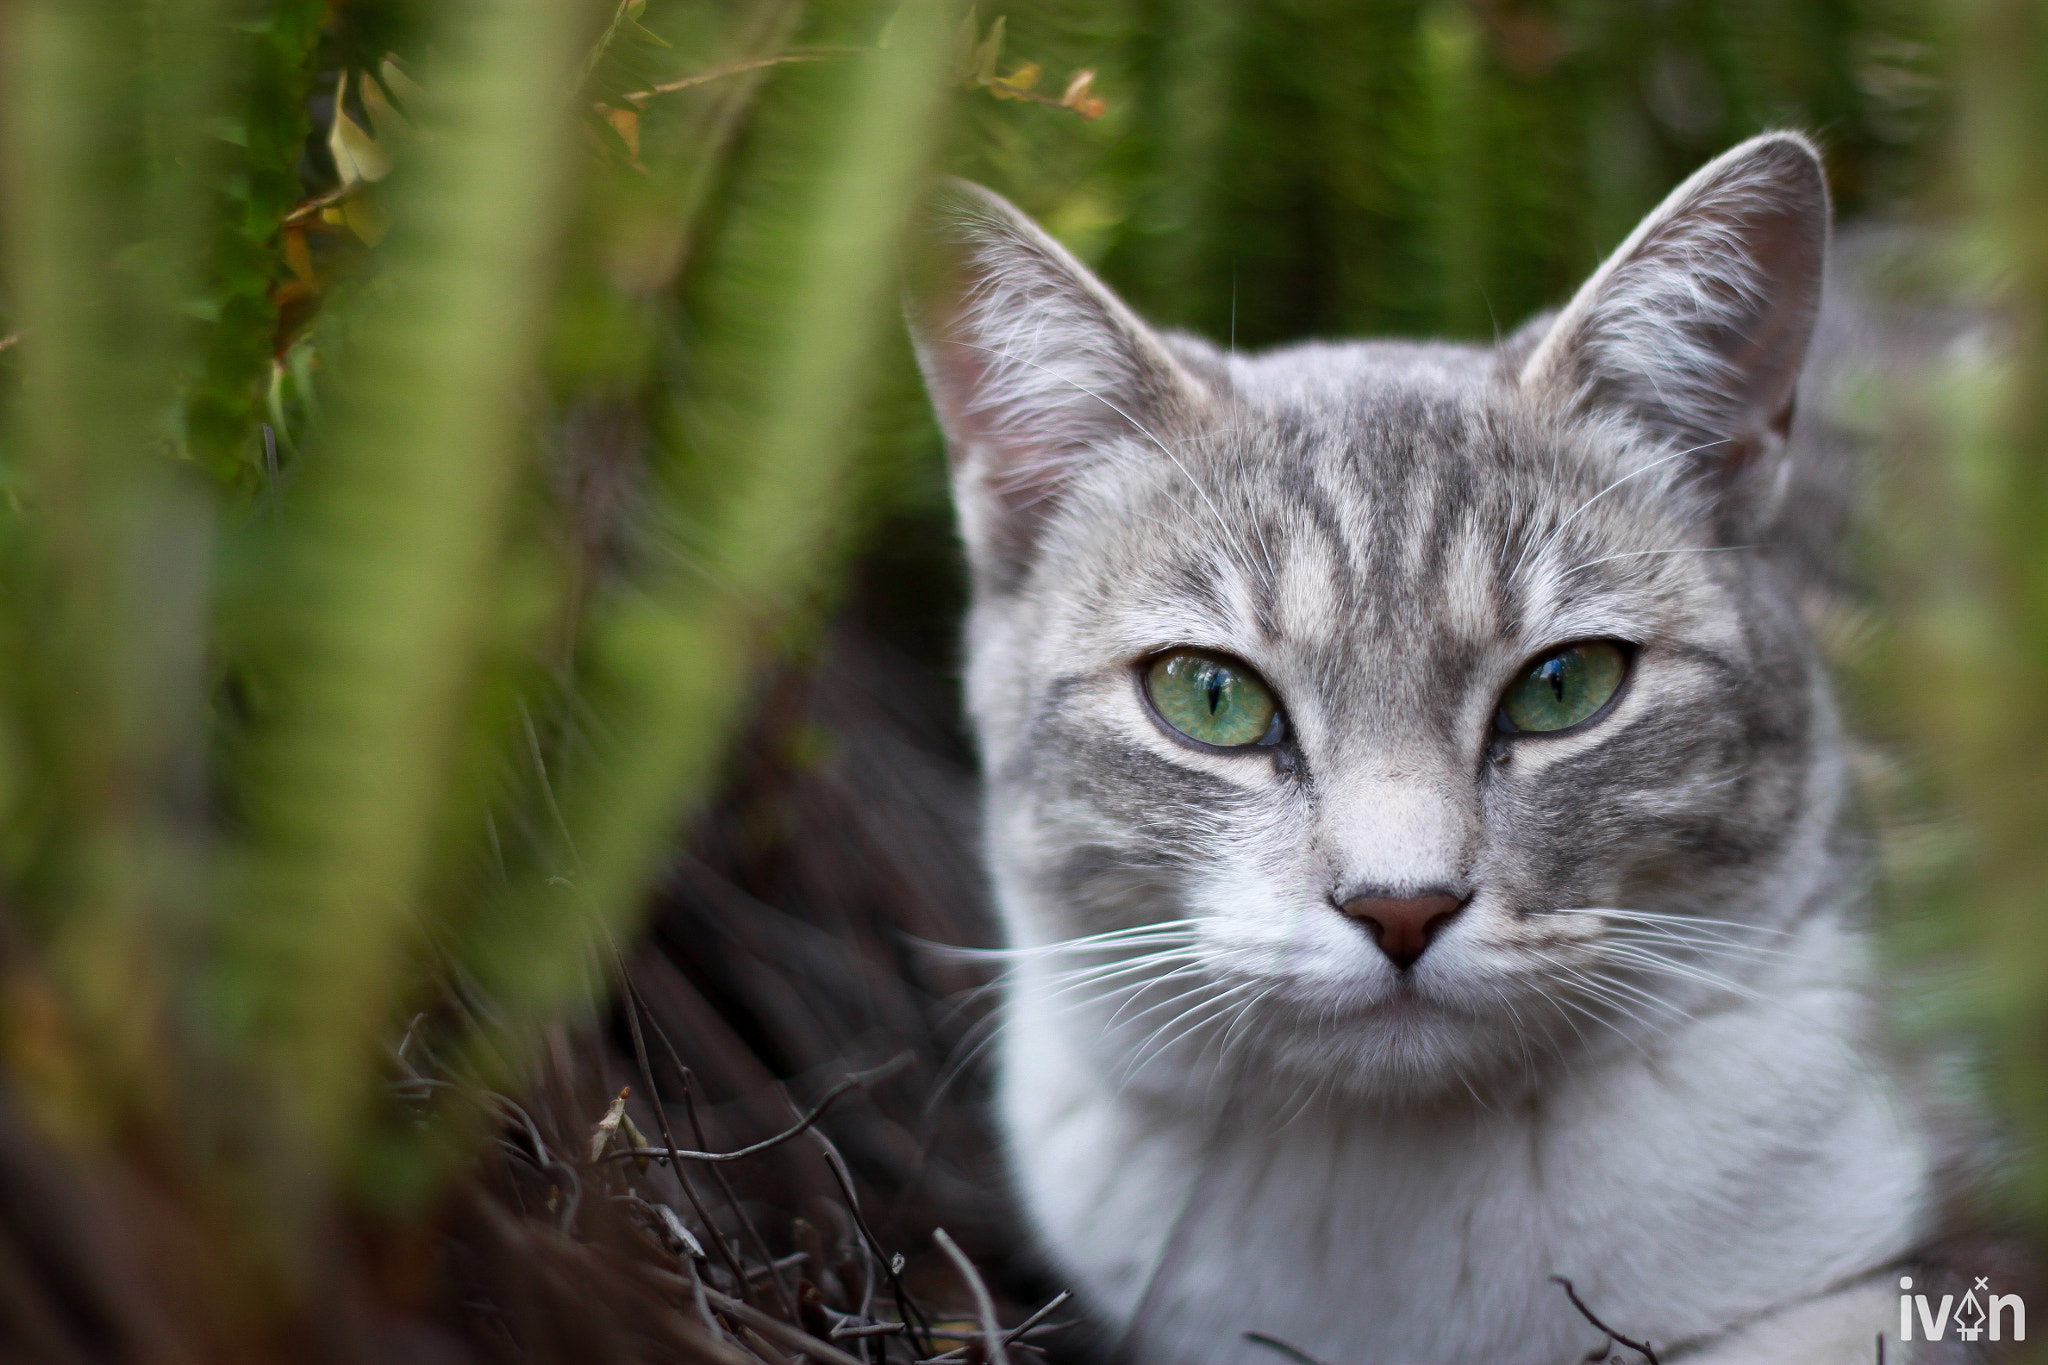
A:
x: 1402, y: 1046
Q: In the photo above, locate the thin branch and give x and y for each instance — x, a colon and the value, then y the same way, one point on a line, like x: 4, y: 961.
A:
x: 1288, y: 1349
x: 544, y: 1159
x: 778, y: 1331
x: 845, y: 1087
x: 1011, y: 1337
x: 702, y: 1304
x: 794, y: 1261
x: 669, y: 1221
x: 1040, y: 1316
x: 635, y: 1006
x: 907, y: 1308
x: 868, y: 1250
x: 1641, y: 1348
x: 732, y: 1200
x: 307, y: 210
x: 992, y: 1331
x: 575, y: 1192
x: 962, y: 1353
x: 772, y: 1267
x: 806, y: 54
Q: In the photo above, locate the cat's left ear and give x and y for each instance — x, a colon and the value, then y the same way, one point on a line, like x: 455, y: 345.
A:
x: 1696, y: 328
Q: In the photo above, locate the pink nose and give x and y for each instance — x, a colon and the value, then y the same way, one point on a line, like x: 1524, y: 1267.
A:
x: 1403, y: 927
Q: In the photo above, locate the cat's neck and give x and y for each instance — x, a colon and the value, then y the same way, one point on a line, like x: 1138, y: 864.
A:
x: 1629, y: 1175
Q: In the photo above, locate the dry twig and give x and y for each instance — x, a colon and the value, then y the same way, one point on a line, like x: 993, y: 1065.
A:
x: 852, y: 1083
x: 991, y: 1330
x: 805, y: 54
x: 1014, y: 1335
x: 1641, y: 1348
x: 1285, y: 1348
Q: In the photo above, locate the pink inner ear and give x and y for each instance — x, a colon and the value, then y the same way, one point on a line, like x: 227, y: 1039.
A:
x: 953, y: 374
x: 1786, y: 256
x: 1021, y: 471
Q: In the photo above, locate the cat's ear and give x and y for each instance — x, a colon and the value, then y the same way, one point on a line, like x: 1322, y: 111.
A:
x: 1697, y: 326
x: 1036, y: 370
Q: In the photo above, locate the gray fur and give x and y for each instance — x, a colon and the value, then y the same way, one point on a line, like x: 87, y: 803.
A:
x: 1640, y: 1056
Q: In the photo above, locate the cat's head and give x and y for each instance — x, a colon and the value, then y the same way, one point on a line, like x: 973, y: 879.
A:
x: 1333, y: 690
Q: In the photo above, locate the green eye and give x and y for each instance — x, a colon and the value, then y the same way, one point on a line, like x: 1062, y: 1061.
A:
x: 1209, y: 700
x: 1560, y: 690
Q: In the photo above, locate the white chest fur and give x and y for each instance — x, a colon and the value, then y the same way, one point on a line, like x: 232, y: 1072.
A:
x: 1747, y: 1163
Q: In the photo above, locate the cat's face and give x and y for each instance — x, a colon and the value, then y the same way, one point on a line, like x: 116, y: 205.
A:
x: 1329, y: 694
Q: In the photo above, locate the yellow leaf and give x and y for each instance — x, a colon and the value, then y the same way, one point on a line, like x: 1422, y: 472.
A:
x: 601, y: 1135
x: 404, y: 87
x: 391, y: 128
x: 357, y: 156
x: 1024, y: 77
x: 626, y: 123
x: 299, y: 259
x: 365, y: 217
x: 640, y: 33
x: 634, y: 1138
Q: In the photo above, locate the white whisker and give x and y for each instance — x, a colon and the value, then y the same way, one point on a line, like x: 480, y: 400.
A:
x: 1637, y: 554
x: 1183, y: 930
x: 1656, y: 962
x: 1166, y: 1038
x: 1559, y: 529
x: 1204, y: 983
x: 1651, y: 916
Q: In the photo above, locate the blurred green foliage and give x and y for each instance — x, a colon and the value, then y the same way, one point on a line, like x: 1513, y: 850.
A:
x: 1998, y: 718
x: 421, y: 418
x: 339, y: 679
x: 1424, y: 167
x: 1957, y: 666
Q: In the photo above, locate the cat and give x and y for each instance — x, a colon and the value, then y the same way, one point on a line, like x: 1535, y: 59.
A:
x: 1420, y: 815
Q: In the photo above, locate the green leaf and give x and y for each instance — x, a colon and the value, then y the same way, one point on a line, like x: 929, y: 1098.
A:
x: 988, y: 53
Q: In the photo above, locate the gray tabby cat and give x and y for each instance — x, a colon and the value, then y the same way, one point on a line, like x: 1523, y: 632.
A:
x: 1419, y: 814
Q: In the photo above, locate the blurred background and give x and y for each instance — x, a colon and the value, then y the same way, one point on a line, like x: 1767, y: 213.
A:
x: 478, y: 621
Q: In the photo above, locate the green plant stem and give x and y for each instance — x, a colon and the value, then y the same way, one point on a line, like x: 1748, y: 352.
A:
x: 2002, y: 90
x: 383, y: 607
x: 669, y: 660
x: 105, y: 105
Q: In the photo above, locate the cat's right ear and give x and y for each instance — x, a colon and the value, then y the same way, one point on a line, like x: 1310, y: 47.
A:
x: 1036, y: 370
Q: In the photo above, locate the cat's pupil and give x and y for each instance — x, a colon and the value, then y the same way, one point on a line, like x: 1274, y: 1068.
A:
x: 1554, y: 672
x: 1216, y: 679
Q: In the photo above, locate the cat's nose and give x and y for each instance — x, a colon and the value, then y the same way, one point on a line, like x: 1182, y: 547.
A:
x: 1403, y: 925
